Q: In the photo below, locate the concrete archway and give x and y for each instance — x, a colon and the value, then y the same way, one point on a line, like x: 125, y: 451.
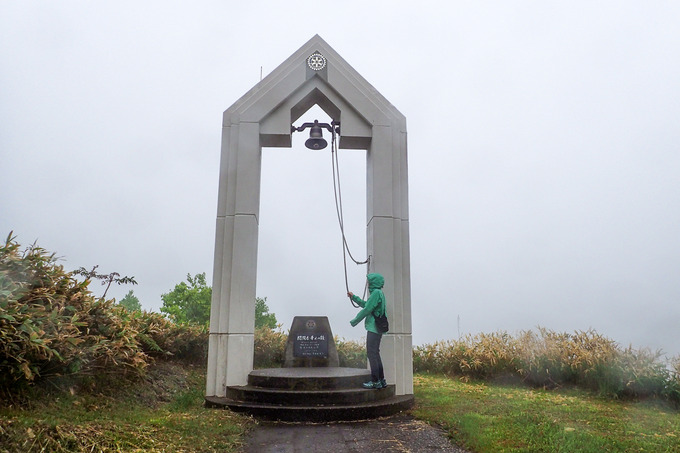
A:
x: 263, y: 118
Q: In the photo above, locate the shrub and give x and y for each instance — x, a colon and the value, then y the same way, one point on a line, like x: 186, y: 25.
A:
x: 641, y: 373
x: 270, y: 346
x: 481, y: 356
x: 51, y: 325
x: 550, y: 359
x: 672, y: 390
x: 164, y: 339
x: 351, y: 354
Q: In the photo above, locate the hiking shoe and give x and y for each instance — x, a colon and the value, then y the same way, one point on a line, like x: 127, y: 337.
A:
x: 383, y: 383
x: 372, y: 385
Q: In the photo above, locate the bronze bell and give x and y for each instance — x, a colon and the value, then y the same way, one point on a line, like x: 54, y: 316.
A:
x: 316, y: 140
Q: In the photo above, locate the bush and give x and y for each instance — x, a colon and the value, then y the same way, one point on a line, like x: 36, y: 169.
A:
x: 164, y: 339
x: 672, y: 390
x: 550, y: 359
x: 270, y: 346
x: 51, y: 325
x: 351, y: 354
x: 481, y: 356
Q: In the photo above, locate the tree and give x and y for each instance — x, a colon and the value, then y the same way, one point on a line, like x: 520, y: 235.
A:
x: 262, y: 316
x: 189, y: 303
x: 131, y: 302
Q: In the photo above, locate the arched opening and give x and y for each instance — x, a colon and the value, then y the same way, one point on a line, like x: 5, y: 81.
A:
x: 300, y: 261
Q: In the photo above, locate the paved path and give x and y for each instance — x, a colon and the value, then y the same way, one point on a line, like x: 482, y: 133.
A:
x: 400, y: 433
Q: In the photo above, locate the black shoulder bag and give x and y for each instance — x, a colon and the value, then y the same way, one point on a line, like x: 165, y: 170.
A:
x: 381, y: 322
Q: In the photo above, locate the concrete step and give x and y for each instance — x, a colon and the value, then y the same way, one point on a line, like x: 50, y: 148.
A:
x: 344, y: 412
x: 252, y: 394
x: 315, y: 394
x: 313, y: 378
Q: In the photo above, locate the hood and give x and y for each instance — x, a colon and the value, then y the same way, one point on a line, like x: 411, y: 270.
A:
x: 375, y: 281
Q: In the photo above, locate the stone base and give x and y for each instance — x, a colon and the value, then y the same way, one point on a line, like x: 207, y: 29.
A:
x: 311, y: 395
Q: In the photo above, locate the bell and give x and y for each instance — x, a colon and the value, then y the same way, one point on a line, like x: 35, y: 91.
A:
x: 316, y: 140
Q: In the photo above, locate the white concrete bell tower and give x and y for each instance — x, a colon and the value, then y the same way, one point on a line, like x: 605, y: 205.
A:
x: 314, y: 75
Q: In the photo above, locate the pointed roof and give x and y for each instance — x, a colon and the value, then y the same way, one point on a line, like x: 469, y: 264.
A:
x: 326, y: 80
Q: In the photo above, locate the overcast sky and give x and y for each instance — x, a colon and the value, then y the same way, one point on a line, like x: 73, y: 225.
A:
x: 544, y: 153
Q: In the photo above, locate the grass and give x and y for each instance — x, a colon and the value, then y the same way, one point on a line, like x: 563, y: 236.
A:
x: 487, y: 417
x: 163, y: 415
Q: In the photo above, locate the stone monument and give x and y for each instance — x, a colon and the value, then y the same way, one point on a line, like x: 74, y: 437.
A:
x: 310, y: 343
x: 313, y: 75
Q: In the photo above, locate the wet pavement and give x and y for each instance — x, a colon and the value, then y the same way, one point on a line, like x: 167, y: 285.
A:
x: 400, y: 433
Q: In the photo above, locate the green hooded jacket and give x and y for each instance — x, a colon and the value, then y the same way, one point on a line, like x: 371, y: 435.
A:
x: 374, y: 304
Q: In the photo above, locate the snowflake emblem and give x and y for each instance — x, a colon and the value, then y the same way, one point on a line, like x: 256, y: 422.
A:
x: 316, y: 61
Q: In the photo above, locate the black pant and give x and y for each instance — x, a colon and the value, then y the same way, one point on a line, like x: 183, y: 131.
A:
x: 373, y: 353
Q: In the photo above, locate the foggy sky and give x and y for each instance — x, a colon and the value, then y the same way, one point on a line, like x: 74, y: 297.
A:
x: 543, y: 154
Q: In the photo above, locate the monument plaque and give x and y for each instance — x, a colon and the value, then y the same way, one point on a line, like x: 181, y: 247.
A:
x: 310, y: 343
x: 310, y: 346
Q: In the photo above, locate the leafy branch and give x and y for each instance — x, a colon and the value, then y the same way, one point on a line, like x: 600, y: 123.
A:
x: 106, y: 279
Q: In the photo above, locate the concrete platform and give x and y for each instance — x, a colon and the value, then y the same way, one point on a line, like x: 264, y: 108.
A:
x: 312, y: 395
x: 309, y: 378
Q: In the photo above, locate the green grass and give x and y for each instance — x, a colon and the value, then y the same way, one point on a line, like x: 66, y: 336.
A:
x: 165, y: 413
x: 130, y: 420
x: 487, y: 417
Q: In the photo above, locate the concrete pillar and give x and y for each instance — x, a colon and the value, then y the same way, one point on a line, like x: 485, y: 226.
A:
x: 232, y: 316
x: 388, y: 245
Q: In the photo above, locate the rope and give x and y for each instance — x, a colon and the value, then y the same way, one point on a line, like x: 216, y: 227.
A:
x: 341, y: 220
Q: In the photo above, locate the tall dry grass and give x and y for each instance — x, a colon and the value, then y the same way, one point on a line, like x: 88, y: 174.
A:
x: 550, y: 359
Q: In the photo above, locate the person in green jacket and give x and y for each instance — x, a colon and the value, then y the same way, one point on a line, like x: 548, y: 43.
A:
x: 375, y: 305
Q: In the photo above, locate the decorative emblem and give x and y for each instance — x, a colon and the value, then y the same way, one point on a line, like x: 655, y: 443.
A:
x: 316, y: 61
x: 311, y: 324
